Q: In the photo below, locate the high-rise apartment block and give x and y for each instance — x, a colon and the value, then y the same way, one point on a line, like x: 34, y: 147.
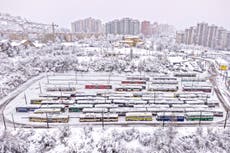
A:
x: 204, y: 35
x: 125, y: 26
x: 88, y: 25
x: 146, y: 28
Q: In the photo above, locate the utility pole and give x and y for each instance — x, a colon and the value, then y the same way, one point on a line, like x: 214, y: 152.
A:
x: 47, y: 122
x: 102, y: 119
x: 25, y: 98
x: 225, y: 121
x: 4, y: 121
x: 200, y: 118
x: 13, y: 120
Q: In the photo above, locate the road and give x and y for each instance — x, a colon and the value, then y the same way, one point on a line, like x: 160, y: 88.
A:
x: 5, y: 101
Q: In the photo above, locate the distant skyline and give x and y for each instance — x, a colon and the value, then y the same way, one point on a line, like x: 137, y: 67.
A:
x: 180, y: 13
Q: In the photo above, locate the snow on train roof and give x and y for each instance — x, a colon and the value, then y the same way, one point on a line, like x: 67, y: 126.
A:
x: 188, y: 106
x: 164, y: 82
x: 57, y: 101
x: 97, y: 115
x: 138, y: 114
x: 47, y: 110
x: 199, y: 113
x: 139, y: 86
x: 52, y: 106
x: 81, y: 105
x: 49, y: 115
x: 164, y: 78
x: 123, y: 101
x: 150, y: 106
x: 29, y: 105
x: 55, y: 94
x: 95, y: 109
x: 106, y: 105
x: 94, y: 101
x: 169, y: 114
x: 192, y: 94
x: 193, y: 79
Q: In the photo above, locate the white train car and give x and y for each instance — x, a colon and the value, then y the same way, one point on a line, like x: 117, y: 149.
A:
x: 94, y: 102
x: 151, y: 106
x: 95, y: 110
x: 165, y: 88
x: 123, y: 110
x: 48, y: 110
x: 106, y: 106
x: 95, y: 117
x: 164, y: 82
x: 164, y: 78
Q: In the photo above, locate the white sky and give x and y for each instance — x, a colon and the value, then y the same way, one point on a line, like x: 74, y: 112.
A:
x: 181, y: 13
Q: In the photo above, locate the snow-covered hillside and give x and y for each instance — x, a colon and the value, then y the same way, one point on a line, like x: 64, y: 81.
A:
x: 10, y: 23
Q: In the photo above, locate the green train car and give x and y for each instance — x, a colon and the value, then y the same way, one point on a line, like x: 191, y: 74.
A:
x: 199, y: 116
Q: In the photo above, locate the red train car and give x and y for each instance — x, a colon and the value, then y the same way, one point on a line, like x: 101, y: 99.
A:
x: 133, y: 82
x: 98, y: 86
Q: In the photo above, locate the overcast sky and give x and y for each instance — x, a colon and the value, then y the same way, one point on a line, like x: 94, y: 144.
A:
x: 181, y: 13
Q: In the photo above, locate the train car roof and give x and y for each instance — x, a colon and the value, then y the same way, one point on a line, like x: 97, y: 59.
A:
x: 95, y: 109
x: 138, y: 114
x: 29, y: 105
x: 97, y: 115
x: 50, y: 106
x: 81, y: 105
x: 199, y: 113
x: 106, y: 105
x: 49, y: 115
x: 169, y: 114
x: 47, y: 109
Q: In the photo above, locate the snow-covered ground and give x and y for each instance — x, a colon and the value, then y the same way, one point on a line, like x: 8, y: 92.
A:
x: 119, y: 140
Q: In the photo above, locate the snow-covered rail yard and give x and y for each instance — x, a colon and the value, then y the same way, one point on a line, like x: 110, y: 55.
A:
x: 78, y: 99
